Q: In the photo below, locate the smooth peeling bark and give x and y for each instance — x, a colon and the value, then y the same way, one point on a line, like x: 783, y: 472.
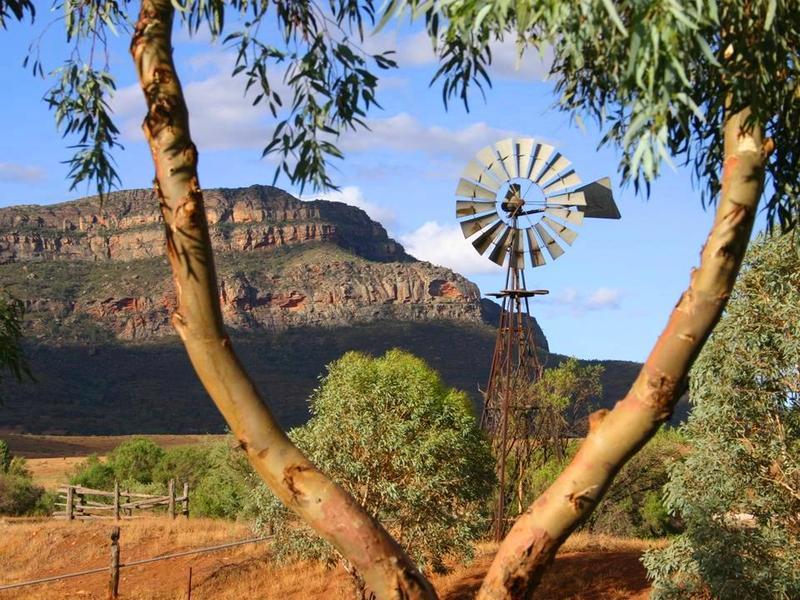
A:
x: 333, y: 513
x: 615, y: 436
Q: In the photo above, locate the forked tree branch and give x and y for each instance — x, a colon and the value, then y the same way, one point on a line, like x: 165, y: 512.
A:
x: 325, y: 506
x: 617, y: 435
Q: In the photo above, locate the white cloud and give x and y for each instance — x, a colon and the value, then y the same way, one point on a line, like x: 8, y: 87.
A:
x: 16, y: 173
x: 221, y: 116
x: 445, y: 245
x: 571, y: 299
x: 604, y: 297
x: 353, y: 196
x: 404, y: 132
x: 416, y: 50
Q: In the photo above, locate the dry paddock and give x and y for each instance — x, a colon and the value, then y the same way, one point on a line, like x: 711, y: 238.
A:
x: 588, y: 568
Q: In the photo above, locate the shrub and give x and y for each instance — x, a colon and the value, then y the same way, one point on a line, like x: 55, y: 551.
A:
x: 184, y: 464
x: 225, y: 489
x: 390, y: 432
x: 93, y: 473
x: 738, y: 490
x: 18, y: 494
x: 135, y: 460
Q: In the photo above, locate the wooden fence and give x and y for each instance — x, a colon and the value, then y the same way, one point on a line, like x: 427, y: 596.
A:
x: 80, y: 502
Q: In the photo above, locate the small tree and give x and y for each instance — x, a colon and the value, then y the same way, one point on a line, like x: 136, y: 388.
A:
x: 738, y: 491
x: 135, y: 460
x: 408, y: 447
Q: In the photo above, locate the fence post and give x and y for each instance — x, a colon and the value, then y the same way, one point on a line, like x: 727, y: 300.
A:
x: 186, y: 499
x: 189, y: 586
x: 171, y: 492
x: 113, y: 582
x: 70, y: 501
x: 116, y: 500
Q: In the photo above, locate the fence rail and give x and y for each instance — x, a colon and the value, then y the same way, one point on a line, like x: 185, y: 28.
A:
x: 116, y: 565
x: 80, y: 502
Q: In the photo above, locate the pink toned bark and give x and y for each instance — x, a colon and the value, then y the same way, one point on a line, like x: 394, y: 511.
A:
x: 333, y: 513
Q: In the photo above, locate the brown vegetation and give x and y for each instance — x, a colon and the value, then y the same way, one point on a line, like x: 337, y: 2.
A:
x: 588, y: 568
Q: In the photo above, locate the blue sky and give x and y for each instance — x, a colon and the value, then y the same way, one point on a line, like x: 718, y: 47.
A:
x: 610, y: 294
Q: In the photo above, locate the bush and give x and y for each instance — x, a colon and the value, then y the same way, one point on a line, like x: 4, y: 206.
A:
x: 135, y: 460
x: 633, y: 506
x: 18, y: 494
x: 93, y: 473
x: 225, y: 489
x: 390, y: 432
x: 184, y: 464
x: 738, y: 490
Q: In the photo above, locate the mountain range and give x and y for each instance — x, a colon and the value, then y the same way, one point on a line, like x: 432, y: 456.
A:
x: 300, y: 283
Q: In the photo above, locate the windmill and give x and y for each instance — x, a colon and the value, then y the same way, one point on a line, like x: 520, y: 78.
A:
x: 521, y: 198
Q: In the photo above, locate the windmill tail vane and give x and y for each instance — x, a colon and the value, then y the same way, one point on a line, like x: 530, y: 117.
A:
x: 521, y: 198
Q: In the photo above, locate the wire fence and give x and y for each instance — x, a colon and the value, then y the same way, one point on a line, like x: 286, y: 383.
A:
x: 133, y: 563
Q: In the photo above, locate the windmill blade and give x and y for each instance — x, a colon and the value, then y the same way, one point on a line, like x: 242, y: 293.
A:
x: 507, y: 151
x: 484, y: 240
x: 473, y: 190
x: 540, y: 160
x: 472, y: 226
x: 562, y: 231
x: 575, y: 217
x: 537, y: 258
x: 552, y: 246
x: 526, y: 147
x: 556, y: 165
x: 466, y: 208
x: 488, y: 157
x: 575, y: 198
x: 599, y: 200
x: 517, y: 255
x: 475, y: 171
x: 498, y: 254
x: 561, y: 183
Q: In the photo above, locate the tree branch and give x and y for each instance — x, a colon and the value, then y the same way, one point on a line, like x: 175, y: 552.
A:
x: 617, y: 435
x: 325, y: 506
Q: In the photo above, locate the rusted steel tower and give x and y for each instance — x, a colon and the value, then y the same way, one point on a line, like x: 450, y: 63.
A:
x: 520, y: 197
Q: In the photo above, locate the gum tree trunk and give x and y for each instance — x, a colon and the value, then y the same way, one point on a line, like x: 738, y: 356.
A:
x: 333, y: 513
x: 617, y: 435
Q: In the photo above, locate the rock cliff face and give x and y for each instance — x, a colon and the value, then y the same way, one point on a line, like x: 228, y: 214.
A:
x: 95, y: 274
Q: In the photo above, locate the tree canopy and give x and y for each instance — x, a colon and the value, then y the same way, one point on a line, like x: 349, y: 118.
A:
x: 738, y: 490
x: 407, y: 446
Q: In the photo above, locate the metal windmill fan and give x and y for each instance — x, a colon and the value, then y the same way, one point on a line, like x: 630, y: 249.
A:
x: 520, y: 197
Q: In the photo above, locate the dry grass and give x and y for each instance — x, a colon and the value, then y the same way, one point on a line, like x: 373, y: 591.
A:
x: 589, y: 567
x: 52, y: 472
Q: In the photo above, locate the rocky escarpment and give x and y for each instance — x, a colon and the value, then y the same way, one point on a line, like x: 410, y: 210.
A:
x: 126, y: 226
x: 96, y: 273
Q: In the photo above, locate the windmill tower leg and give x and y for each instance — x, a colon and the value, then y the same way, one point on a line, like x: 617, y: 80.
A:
x: 508, y: 405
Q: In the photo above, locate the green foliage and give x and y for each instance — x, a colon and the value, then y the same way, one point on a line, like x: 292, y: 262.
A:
x: 12, y: 312
x: 135, y: 460
x: 93, y: 473
x: 633, y: 505
x: 738, y: 490
x: 5, y: 456
x: 184, y: 464
x: 220, y: 478
x: 658, y: 76
x: 314, y: 48
x: 225, y: 489
x: 18, y: 494
x: 405, y: 445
